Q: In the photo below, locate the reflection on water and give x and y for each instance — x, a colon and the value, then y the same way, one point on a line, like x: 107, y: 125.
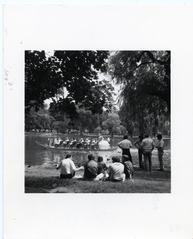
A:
x: 35, y: 155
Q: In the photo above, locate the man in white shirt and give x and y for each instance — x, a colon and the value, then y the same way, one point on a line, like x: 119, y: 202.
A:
x: 57, y: 141
x: 116, y: 170
x: 147, y: 146
x: 67, y: 167
x: 125, y: 145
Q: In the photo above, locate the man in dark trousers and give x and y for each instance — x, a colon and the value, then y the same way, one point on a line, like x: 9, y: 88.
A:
x: 140, y: 152
x: 125, y: 145
x: 147, y: 146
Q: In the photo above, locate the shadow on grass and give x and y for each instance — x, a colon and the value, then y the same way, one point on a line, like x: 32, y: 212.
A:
x: 144, y: 182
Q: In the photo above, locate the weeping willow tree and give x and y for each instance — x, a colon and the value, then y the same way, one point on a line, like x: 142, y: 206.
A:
x: 145, y: 77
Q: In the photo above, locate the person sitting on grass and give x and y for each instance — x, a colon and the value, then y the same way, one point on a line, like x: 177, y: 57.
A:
x: 128, y: 167
x: 67, y: 167
x: 147, y: 146
x: 116, y: 170
x: 90, y: 168
x: 102, y: 170
x: 160, y: 148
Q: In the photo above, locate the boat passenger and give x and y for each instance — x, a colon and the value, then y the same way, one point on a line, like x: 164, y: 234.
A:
x: 72, y: 142
x: 93, y: 144
x: 50, y: 142
x: 65, y: 143
x: 57, y: 141
x: 80, y: 143
x: 87, y: 143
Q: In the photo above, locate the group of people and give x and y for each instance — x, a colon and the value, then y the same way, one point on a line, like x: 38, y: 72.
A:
x: 116, y: 169
x: 81, y: 143
x: 145, y: 146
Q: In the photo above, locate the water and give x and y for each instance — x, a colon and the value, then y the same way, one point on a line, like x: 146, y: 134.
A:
x: 36, y: 155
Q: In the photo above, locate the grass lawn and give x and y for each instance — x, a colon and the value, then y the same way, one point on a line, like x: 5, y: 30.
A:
x: 42, y: 180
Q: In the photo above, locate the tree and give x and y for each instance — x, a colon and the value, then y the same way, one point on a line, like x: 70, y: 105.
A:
x: 146, y: 72
x: 76, y: 71
x: 42, y: 79
x: 85, y: 120
x: 80, y: 70
x: 111, y: 123
x: 40, y: 119
x: 145, y: 76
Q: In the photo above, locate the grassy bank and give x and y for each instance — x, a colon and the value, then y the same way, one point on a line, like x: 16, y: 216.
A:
x: 144, y: 182
x: 41, y: 179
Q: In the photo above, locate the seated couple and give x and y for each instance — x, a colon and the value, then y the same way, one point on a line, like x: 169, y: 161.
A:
x: 116, y: 171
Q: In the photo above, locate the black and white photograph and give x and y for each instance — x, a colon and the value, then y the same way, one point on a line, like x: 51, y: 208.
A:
x: 97, y: 121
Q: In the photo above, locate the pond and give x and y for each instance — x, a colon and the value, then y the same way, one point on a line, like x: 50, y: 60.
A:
x: 36, y: 155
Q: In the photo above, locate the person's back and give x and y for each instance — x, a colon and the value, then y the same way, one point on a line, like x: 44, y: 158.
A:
x: 90, y: 168
x: 125, y: 145
x: 116, y: 170
x: 102, y: 167
x: 67, y: 167
x: 147, y: 144
x: 147, y: 148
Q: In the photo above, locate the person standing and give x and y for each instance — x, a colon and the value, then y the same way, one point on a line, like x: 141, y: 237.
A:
x: 147, y: 148
x: 140, y: 153
x: 160, y: 148
x: 125, y: 145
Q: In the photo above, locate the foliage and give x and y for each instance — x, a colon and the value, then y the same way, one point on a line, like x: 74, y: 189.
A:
x: 113, y: 124
x: 77, y: 71
x: 145, y: 76
x: 86, y: 120
x: 38, y: 119
x: 42, y: 79
x: 60, y: 126
x: 98, y: 130
x: 145, y: 72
